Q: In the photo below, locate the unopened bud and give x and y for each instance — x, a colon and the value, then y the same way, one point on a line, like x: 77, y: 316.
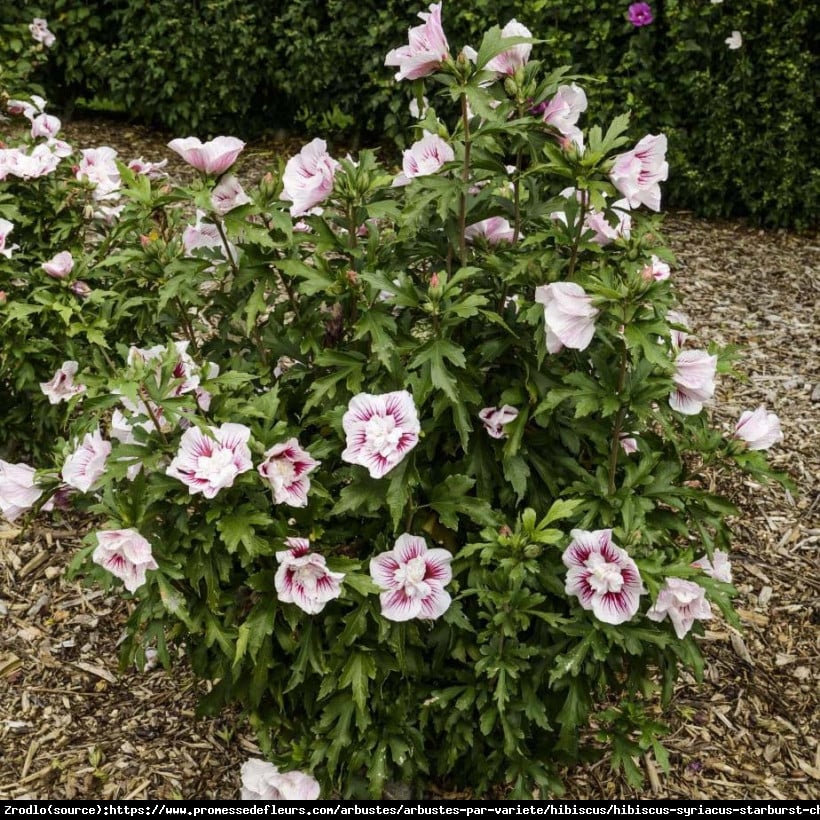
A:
x: 81, y: 289
x: 533, y: 550
x: 145, y: 241
x: 3, y: 297
x: 505, y: 531
x: 352, y: 277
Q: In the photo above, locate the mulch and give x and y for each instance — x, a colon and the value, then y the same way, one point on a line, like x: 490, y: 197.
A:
x: 72, y: 726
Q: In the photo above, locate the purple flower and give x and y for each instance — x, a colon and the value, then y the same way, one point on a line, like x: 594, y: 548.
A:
x: 304, y: 579
x: 59, y: 266
x: 413, y: 579
x: 602, y: 576
x: 640, y: 14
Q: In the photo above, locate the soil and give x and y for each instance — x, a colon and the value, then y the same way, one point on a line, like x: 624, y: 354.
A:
x: 73, y: 726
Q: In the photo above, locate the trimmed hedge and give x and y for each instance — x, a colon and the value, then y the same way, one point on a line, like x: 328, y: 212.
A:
x: 741, y: 123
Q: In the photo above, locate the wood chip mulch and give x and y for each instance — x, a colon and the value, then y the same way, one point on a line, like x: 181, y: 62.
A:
x: 73, y: 727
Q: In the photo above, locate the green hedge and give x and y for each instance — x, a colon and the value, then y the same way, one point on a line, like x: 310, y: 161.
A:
x: 741, y: 123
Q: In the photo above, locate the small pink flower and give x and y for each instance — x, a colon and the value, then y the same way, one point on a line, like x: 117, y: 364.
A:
x: 759, y: 429
x: 87, y: 463
x: 694, y: 379
x: 98, y: 166
x: 413, y: 579
x: 205, y: 235
x: 427, y: 48
x: 45, y: 125
x: 564, y: 109
x: 212, y: 157
x: 61, y: 387
x: 684, y: 602
x: 678, y: 337
x: 602, y: 576
x: 228, y: 195
x: 568, y: 314
x: 509, y: 61
x: 640, y: 14
x: 6, y: 228
x: 208, y: 464
x: 493, y: 230
x: 637, y: 174
x: 286, y: 468
x: 60, y: 265
x: 628, y: 444
x: 39, y: 31
x: 605, y: 231
x: 126, y: 555
x: 719, y: 568
x: 304, y: 579
x: 18, y: 490
x: 308, y: 177
x: 657, y: 270
x: 81, y: 289
x: 423, y: 158
x: 28, y: 109
x: 380, y: 430
x: 153, y: 170
x: 263, y: 781
x: 495, y: 418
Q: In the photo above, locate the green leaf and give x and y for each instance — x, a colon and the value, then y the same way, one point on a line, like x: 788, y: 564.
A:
x: 359, y: 668
x: 450, y: 500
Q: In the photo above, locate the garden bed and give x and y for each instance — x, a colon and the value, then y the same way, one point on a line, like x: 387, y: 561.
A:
x: 73, y: 726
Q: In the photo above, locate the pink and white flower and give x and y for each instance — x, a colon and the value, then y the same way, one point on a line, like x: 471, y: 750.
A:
x: 208, y: 464
x: 99, y: 167
x: 564, y: 109
x: 39, y: 31
x: 734, y: 40
x: 61, y: 387
x: 60, y: 265
x: 228, y: 194
x: 304, y: 579
x: 153, y: 170
x: 28, y: 109
x: 417, y: 112
x: 308, y: 177
x: 423, y: 158
x: 493, y: 230
x: 381, y: 430
x: 81, y: 289
x: 684, y: 602
x: 45, y: 125
x: 694, y: 379
x: 426, y: 50
x: 656, y: 270
x: 678, y: 337
x: 86, y: 464
x: 413, y: 579
x: 605, y: 231
x: 18, y: 489
x: 637, y: 174
x: 39, y: 163
x: 759, y: 429
x: 629, y: 444
x: 6, y: 228
x: 203, y: 235
x: 126, y: 555
x: 568, y: 314
x: 263, y: 781
x: 495, y: 418
x: 513, y: 58
x: 286, y: 468
x: 719, y: 568
x: 602, y: 576
x: 212, y: 157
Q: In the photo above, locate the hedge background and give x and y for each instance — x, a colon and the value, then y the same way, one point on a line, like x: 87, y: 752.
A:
x: 742, y: 124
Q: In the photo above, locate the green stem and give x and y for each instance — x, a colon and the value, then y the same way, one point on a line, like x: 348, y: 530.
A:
x: 228, y: 254
x: 465, y: 177
x: 573, y: 259
x: 186, y: 323
x: 147, y: 402
x: 619, y: 423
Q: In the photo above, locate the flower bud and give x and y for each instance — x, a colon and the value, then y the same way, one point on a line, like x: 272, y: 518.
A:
x: 533, y: 550
x: 3, y: 297
x: 81, y: 289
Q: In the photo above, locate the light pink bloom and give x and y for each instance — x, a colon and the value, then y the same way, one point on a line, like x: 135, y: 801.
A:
x: 16, y: 162
x: 39, y: 31
x: 286, y: 468
x: 657, y: 270
x: 759, y: 429
x: 304, y: 579
x: 208, y: 464
x: 45, y: 125
x: 60, y: 148
x: 719, y: 568
x: 605, y: 231
x: 423, y: 158
x: 694, y: 381
x: 263, y: 781
x: 426, y: 50
x: 413, y: 579
x: 564, y: 109
x: 81, y: 289
x: 628, y: 444
x: 495, y: 418
x: 678, y: 337
x: 126, y: 555
x: 228, y: 195
x: 6, y: 228
x: 509, y: 61
x: 98, y: 166
x: 18, y: 492
x: 415, y: 111
x: 59, y: 266
x: 602, y: 576
x: 637, y: 174
x: 87, y: 463
x: 203, y: 235
x: 568, y: 314
x: 212, y: 157
x: 734, y: 41
x: 381, y: 430
x: 684, y: 602
x: 122, y: 430
x: 62, y: 387
x: 28, y: 109
x: 308, y: 177
x: 153, y: 170
x: 493, y: 230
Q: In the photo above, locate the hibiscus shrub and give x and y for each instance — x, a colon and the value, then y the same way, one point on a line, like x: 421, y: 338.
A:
x: 417, y: 478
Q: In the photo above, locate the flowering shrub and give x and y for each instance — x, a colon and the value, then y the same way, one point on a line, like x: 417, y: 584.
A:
x: 424, y: 497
